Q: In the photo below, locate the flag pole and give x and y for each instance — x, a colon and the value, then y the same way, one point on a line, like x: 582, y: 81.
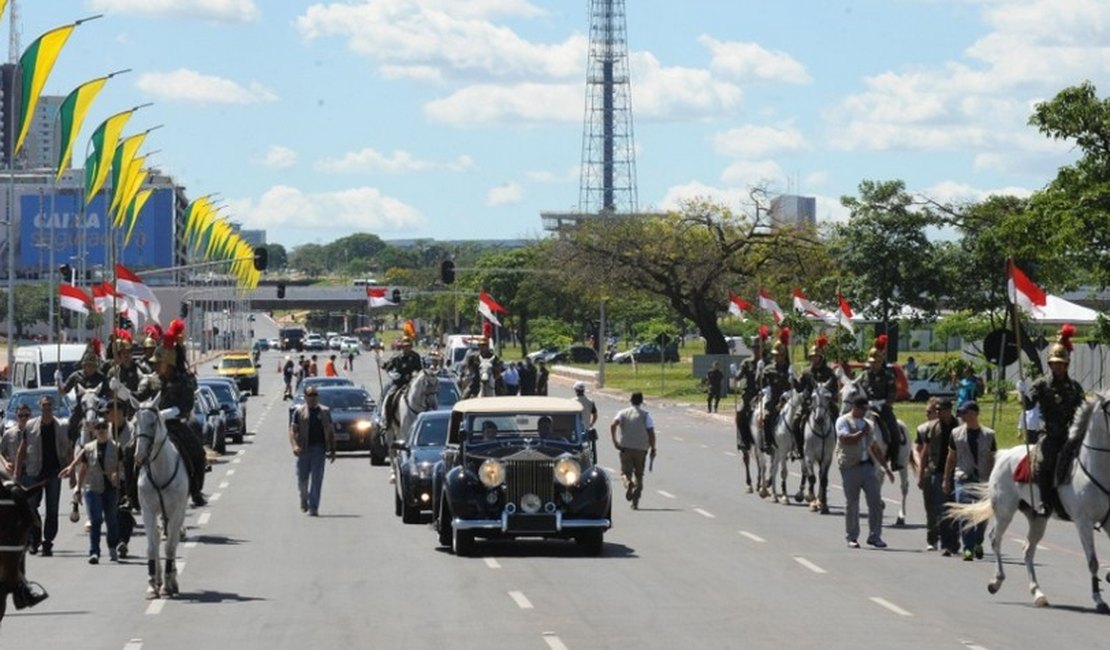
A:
x: 1022, y: 425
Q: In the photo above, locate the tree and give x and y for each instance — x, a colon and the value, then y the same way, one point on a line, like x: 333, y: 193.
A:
x: 310, y: 259
x: 884, y: 252
x: 32, y: 305
x: 278, y: 258
x: 690, y: 258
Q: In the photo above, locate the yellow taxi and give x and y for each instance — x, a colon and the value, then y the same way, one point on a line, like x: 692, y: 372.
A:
x: 240, y: 367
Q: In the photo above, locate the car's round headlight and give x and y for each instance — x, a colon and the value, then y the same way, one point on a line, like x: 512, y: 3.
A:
x: 363, y: 426
x: 567, y: 471
x: 491, y: 473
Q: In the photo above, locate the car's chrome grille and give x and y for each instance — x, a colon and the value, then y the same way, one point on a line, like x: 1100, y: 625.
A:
x: 529, y: 477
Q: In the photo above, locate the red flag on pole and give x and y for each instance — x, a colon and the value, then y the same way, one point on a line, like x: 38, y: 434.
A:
x: 768, y: 303
x: 737, y: 305
x: 74, y: 299
x: 1023, y: 292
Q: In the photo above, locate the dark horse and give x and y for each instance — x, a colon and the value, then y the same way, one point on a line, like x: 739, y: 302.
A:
x: 17, y: 517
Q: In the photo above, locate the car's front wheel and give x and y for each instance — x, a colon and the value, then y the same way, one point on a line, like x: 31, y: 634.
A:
x: 397, y: 507
x: 443, y: 525
x: 592, y: 541
x: 921, y: 396
x: 409, y: 514
x: 462, y: 541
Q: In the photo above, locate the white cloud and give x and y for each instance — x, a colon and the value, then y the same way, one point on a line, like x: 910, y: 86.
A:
x: 677, y: 93
x: 571, y: 175
x: 506, y: 194
x: 279, y: 157
x: 359, y: 209
x: 758, y: 173
x: 400, y: 161
x: 752, y: 140
x: 746, y: 62
x: 730, y: 197
x: 956, y: 193
x: 191, y: 86
x: 488, y: 104
x: 217, y: 10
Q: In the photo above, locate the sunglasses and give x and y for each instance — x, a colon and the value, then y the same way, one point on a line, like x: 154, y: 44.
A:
x: 23, y: 415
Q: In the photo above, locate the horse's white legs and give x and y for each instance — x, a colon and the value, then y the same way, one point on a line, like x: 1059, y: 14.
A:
x: 1037, y: 527
x: 746, y: 454
x: 905, y: 485
x: 1087, y: 539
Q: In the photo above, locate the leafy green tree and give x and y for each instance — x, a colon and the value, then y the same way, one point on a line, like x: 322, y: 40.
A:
x: 278, y: 258
x: 310, y: 259
x: 545, y: 332
x: 31, y: 305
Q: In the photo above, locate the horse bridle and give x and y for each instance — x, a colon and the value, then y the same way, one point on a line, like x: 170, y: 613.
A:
x: 820, y: 421
x: 155, y: 452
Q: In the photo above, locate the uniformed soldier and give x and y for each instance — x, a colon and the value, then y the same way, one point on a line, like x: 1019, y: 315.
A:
x: 472, y: 380
x: 176, y: 387
x: 878, y: 383
x: 748, y: 377
x: 776, y: 379
x: 153, y: 336
x: 818, y: 373
x: 403, y: 365
x: 124, y: 377
x: 1058, y: 396
x: 88, y: 377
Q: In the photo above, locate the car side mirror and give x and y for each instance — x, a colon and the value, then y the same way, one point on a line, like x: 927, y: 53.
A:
x: 399, y: 445
x: 242, y: 398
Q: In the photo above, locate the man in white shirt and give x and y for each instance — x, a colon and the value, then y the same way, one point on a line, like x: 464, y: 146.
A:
x: 637, y: 437
x: 857, y: 453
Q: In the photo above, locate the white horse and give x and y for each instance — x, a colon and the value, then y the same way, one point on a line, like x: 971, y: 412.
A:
x: 783, y: 443
x: 755, y: 425
x: 163, y: 491
x: 849, y: 391
x: 487, y: 377
x: 420, y: 395
x: 1085, y: 497
x: 820, y: 446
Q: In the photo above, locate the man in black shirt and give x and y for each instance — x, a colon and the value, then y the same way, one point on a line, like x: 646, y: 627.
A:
x: 44, y: 451
x: 312, y: 436
x: 931, y: 445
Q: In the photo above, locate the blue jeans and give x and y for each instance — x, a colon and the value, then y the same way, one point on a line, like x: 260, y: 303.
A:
x: 310, y: 474
x: 946, y: 530
x: 102, y: 509
x: 973, y: 536
x: 52, y: 491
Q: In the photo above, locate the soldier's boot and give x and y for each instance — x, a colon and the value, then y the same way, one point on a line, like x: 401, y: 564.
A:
x: 25, y: 596
x: 1046, y: 485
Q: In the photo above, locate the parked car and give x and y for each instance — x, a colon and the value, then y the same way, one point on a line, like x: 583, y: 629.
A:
x: 315, y: 342
x: 414, y: 462
x: 543, y: 353
x: 349, y: 345
x: 216, y: 416
x: 204, y: 422
x: 520, y: 467
x: 240, y: 367
x: 352, y: 413
x: 931, y: 382
x: 275, y: 344
x: 30, y: 397
x: 575, y: 354
x: 319, y: 382
x: 233, y: 404
x: 261, y: 345
x: 648, y: 353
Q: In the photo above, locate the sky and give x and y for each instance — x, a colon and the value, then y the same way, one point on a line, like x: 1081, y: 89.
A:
x: 462, y: 119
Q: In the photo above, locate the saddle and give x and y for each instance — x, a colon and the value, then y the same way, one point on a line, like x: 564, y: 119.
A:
x: 1025, y: 472
x: 1029, y: 468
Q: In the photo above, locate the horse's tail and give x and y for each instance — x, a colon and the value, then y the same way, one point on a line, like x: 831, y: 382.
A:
x: 974, y: 513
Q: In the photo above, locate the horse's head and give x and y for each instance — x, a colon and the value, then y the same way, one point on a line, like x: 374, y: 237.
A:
x: 849, y: 391
x: 89, y: 400
x: 150, y: 431
x: 427, y: 385
x: 820, y: 406
x: 17, y: 517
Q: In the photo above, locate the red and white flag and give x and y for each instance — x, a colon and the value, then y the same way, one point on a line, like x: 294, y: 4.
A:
x: 808, y: 309
x: 74, y: 299
x: 376, y: 296
x: 488, y: 307
x: 844, y: 314
x: 737, y: 305
x: 1023, y: 292
x: 102, y: 295
x: 768, y: 303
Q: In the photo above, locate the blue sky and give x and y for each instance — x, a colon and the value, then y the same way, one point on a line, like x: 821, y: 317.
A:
x: 462, y: 119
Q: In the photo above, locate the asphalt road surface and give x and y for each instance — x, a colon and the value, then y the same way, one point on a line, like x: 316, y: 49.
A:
x: 700, y: 565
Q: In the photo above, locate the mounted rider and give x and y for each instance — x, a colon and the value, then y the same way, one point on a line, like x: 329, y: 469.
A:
x: 748, y: 378
x: 776, y: 380
x: 472, y: 373
x: 124, y: 373
x: 878, y: 384
x: 153, y: 336
x: 818, y: 374
x: 1059, y: 397
x: 88, y: 377
x: 402, y: 366
x: 176, y: 388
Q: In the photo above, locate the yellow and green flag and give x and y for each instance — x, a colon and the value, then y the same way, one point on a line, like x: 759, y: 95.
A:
x: 129, y: 187
x: 72, y: 115
x: 133, y: 210
x: 122, y: 160
x: 35, y: 66
x: 104, y: 140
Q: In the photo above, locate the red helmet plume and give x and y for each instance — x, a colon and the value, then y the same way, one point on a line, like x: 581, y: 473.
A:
x: 123, y: 335
x: 784, y: 335
x: 1067, y: 331
x: 764, y: 332
x: 176, y: 329
x: 822, y: 342
x: 153, y: 331
x: 94, y: 345
x: 880, y: 342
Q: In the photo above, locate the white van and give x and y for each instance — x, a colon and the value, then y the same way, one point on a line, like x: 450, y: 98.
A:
x: 35, y: 364
x: 456, y: 346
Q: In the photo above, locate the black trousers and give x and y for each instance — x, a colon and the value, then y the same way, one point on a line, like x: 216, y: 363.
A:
x: 1050, y: 445
x: 192, y: 453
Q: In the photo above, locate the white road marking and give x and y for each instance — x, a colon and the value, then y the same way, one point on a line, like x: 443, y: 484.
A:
x: 678, y: 439
x: 236, y: 461
x: 155, y: 607
x: 704, y: 446
x: 889, y: 605
x: 553, y: 641
x: 224, y: 485
x: 753, y: 537
x: 971, y: 646
x: 492, y: 563
x: 240, y: 452
x: 666, y: 494
x: 809, y: 565
x: 730, y: 453
x: 133, y: 644
x: 229, y: 472
x: 203, y: 518
x: 180, y: 565
x: 705, y: 513
x: 520, y: 599
x: 215, y: 497
x: 191, y: 543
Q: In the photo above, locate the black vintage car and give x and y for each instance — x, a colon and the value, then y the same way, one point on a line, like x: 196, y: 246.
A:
x: 415, y: 461
x: 520, y: 467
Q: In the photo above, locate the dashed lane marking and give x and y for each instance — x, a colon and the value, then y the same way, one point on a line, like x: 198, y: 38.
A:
x: 215, y: 497
x: 666, y: 494
x: 492, y: 563
x: 886, y: 604
x: 731, y: 454
x: 179, y: 564
x: 520, y: 599
x: 753, y: 537
x: 155, y: 607
x: 704, y: 446
x: 705, y: 513
x: 970, y: 645
x: 133, y: 644
x: 553, y: 641
x: 203, y: 518
x: 809, y: 565
x: 240, y: 452
x: 678, y: 439
x: 191, y: 543
x: 224, y: 485
x: 229, y: 472
x: 236, y: 461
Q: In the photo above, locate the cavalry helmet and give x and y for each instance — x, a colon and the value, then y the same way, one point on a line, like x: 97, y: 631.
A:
x: 878, y: 350
x: 1061, y: 349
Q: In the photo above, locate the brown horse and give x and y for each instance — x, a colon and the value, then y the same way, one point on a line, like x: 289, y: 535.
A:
x: 17, y: 518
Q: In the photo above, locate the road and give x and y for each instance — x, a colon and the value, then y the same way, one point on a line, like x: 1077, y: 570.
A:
x: 700, y: 565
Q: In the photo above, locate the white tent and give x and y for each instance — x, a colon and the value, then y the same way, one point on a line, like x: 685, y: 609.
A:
x: 1058, y: 311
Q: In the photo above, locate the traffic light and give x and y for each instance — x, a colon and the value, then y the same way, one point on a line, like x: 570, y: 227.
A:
x: 184, y: 311
x: 261, y: 258
x: 67, y: 272
x: 397, y: 296
x: 447, y: 271
x: 280, y: 289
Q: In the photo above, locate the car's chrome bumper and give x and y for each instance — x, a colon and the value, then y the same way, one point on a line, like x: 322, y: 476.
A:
x: 502, y: 524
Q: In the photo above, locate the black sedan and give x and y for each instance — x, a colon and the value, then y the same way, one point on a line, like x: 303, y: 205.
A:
x: 575, y: 354
x: 231, y: 404
x: 414, y: 463
x: 352, y: 412
x: 318, y: 382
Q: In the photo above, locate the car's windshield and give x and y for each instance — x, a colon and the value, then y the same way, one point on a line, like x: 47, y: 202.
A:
x: 234, y: 363
x: 31, y: 400
x: 557, y: 426
x: 432, y: 432
x: 223, y: 392
x: 345, y: 400
x: 322, y: 382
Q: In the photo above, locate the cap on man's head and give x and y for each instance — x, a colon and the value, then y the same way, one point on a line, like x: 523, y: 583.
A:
x: 969, y: 405
x: 860, y: 401
x: 311, y: 390
x: 579, y: 386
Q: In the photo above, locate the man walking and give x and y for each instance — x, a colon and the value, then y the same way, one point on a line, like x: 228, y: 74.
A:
x: 715, y: 378
x: 931, y: 447
x: 43, y: 452
x: 637, y: 438
x: 857, y: 453
x: 970, y: 461
x: 312, y: 437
